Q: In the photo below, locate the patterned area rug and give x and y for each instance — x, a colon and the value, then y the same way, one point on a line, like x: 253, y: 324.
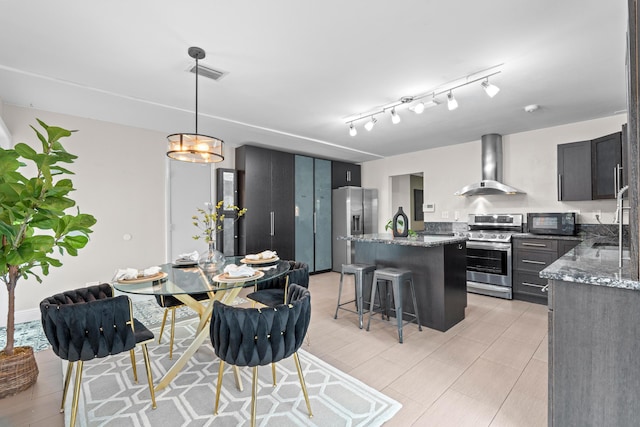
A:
x: 110, y: 398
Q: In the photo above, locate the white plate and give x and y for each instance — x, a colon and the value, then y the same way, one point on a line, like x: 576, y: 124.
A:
x: 259, y: 261
x: 224, y: 278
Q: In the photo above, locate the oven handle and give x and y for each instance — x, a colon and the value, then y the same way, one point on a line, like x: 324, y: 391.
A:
x: 474, y: 244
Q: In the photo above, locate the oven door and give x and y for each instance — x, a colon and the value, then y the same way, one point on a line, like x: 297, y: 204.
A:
x: 489, y: 268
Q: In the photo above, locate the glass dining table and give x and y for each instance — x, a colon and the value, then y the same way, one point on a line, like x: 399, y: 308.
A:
x: 182, y: 281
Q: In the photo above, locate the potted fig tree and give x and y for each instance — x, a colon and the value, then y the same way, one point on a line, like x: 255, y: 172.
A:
x: 37, y: 225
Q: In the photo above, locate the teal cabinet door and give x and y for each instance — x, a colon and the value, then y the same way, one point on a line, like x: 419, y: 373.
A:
x: 304, y: 235
x: 322, y: 211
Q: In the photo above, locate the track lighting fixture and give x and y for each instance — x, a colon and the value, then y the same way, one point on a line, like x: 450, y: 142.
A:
x: 452, y: 104
x: 370, y: 124
x: 395, y: 118
x: 491, y: 90
x: 417, y: 104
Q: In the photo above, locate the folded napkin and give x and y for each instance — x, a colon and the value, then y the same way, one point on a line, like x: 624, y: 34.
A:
x: 191, y: 256
x: 261, y: 255
x: 133, y: 273
x: 233, y: 270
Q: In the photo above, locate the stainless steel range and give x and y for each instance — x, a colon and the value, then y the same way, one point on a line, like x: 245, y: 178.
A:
x: 489, y: 253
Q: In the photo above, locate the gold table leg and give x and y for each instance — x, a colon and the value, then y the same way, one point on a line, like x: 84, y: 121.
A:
x: 224, y: 296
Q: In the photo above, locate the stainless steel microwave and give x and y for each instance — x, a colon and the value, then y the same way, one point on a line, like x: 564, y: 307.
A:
x: 552, y: 223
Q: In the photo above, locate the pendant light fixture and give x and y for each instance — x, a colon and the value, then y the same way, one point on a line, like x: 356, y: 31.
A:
x: 195, y: 147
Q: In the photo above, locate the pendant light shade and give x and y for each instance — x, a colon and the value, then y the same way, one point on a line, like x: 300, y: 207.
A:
x: 195, y: 147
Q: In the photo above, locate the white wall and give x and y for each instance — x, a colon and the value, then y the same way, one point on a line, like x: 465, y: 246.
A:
x: 529, y: 164
x: 121, y: 178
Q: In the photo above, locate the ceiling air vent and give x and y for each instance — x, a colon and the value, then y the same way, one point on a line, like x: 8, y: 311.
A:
x: 207, y: 72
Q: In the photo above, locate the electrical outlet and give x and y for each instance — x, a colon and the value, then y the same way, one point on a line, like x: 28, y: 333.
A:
x: 445, y: 214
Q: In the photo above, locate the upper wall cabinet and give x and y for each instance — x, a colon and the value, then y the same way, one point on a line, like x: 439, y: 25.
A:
x: 591, y: 170
x: 574, y: 171
x: 606, y: 166
x: 344, y: 174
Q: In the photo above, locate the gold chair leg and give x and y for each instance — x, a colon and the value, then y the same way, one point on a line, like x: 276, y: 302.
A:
x: 218, y: 387
x: 76, y: 394
x: 273, y: 373
x: 302, y: 383
x: 236, y: 375
x: 67, y: 380
x: 254, y: 395
x: 133, y: 365
x: 147, y: 364
x: 173, y: 328
x: 164, y: 320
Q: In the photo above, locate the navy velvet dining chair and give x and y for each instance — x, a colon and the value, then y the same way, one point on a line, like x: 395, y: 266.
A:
x: 261, y: 336
x: 272, y: 292
x: 88, y: 323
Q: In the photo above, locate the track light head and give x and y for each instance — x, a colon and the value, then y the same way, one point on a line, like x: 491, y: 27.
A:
x: 395, y: 118
x: 418, y: 108
x: 352, y: 130
x: 370, y: 124
x: 491, y: 90
x: 452, y: 104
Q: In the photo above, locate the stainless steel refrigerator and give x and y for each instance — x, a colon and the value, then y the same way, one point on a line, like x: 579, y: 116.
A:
x: 354, y: 212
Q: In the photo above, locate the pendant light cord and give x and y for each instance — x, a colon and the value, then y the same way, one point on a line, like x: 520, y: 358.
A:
x: 197, y: 68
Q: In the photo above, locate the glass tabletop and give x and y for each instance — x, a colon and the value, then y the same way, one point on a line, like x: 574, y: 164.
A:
x: 192, y: 280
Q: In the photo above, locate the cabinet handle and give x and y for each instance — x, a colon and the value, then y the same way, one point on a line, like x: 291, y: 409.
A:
x: 615, y: 180
x: 537, y: 245
x: 273, y: 225
x: 314, y: 223
x: 528, y: 261
x: 533, y: 285
x: 559, y: 186
x: 348, y: 176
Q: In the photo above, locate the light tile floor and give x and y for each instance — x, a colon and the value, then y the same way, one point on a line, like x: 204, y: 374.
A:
x: 488, y: 370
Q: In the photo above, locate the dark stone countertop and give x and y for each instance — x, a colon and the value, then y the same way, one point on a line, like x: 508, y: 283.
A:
x: 593, y: 262
x: 424, y: 240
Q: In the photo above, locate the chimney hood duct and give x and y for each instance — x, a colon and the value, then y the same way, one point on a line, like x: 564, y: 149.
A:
x: 491, y: 170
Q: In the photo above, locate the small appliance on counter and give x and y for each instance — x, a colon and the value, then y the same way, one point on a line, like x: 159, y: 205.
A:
x: 552, y: 223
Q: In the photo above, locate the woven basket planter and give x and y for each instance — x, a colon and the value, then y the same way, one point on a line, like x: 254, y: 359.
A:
x: 17, y: 372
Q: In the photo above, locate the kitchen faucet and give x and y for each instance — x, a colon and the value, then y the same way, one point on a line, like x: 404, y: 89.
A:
x: 619, y: 219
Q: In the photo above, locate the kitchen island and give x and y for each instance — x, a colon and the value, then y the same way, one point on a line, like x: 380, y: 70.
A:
x: 438, y: 263
x: 594, y: 324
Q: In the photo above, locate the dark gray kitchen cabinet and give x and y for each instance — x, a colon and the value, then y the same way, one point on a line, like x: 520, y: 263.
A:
x: 606, y: 166
x: 594, y: 375
x: 313, y: 212
x: 574, y: 171
x: 530, y: 257
x: 266, y: 189
x: 345, y: 174
x: 591, y: 170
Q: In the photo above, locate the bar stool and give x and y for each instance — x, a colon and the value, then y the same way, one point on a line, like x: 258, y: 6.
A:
x: 397, y: 277
x: 358, y: 271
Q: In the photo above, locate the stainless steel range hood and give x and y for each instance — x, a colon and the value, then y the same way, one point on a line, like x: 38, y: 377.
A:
x: 491, y: 170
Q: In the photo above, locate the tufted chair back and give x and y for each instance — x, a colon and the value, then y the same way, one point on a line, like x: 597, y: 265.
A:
x: 298, y: 273
x: 86, y: 323
x: 256, y: 337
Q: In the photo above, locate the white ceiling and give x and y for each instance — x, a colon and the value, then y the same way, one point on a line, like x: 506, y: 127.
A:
x: 297, y: 69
